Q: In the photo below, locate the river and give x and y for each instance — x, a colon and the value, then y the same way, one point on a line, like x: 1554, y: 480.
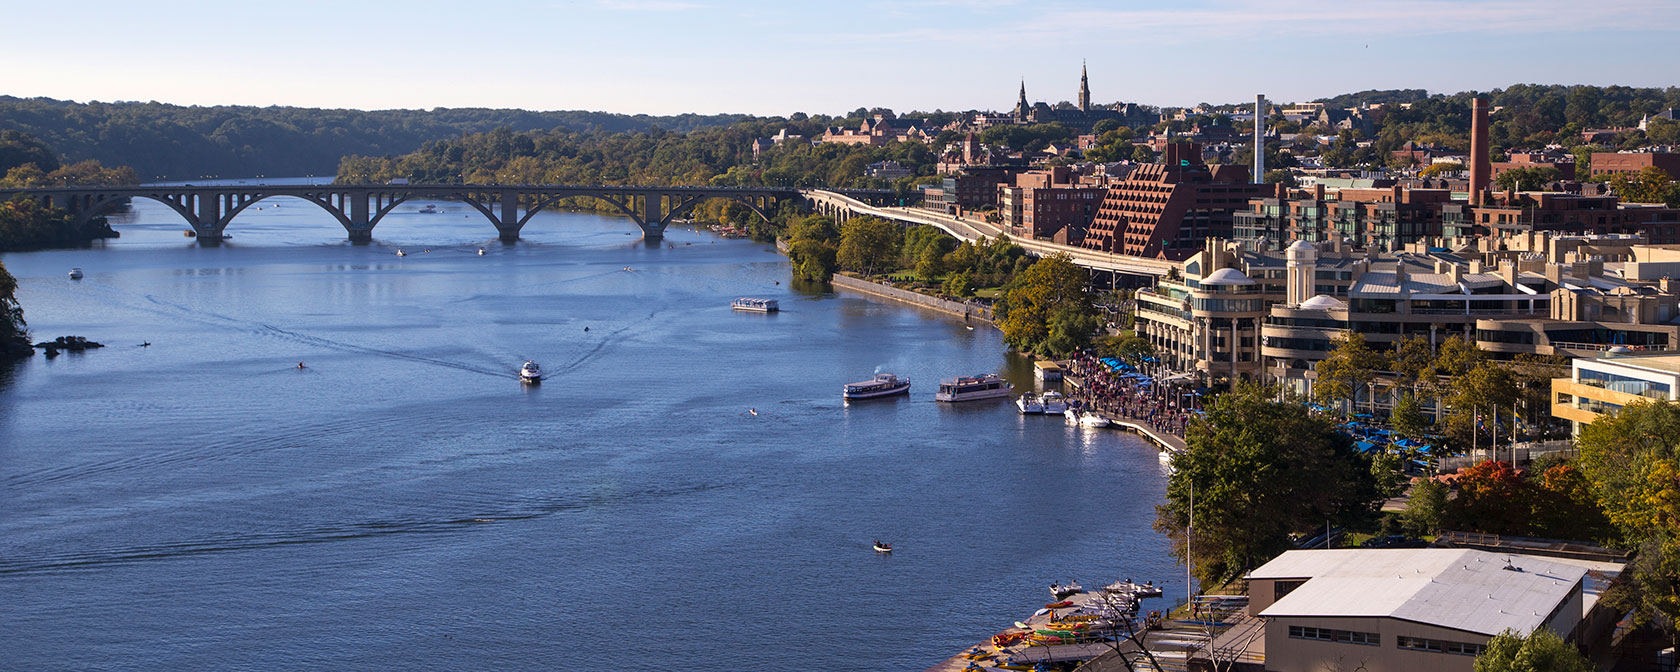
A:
x: 402, y: 502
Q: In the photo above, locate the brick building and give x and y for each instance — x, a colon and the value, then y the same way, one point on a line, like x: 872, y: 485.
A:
x: 1578, y: 214
x: 1048, y: 204
x: 1382, y: 218
x: 1619, y: 163
x: 1565, y: 165
x: 1167, y: 209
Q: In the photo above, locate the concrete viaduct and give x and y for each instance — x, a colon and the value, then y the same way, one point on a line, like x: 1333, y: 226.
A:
x: 208, y: 209
x: 842, y: 206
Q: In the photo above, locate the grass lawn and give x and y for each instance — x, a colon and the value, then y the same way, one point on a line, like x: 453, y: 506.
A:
x: 993, y: 293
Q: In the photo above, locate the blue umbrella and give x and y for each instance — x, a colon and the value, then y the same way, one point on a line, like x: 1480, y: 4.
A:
x: 1364, y: 446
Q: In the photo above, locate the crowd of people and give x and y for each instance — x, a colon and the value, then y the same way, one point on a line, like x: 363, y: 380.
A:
x: 1135, y: 399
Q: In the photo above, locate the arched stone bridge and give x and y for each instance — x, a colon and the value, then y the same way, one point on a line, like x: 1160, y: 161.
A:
x: 208, y: 209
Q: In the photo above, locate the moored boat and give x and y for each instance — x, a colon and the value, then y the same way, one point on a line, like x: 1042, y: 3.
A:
x: 748, y: 303
x: 1071, y: 415
x: 530, y: 373
x: 1061, y: 592
x: 1028, y: 404
x: 973, y: 388
x: 882, y: 385
x: 1091, y: 419
x: 1053, y: 402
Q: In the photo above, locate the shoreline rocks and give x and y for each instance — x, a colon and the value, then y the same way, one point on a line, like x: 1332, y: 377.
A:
x: 68, y: 343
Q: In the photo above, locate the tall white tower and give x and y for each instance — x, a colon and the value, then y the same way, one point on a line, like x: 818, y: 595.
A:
x: 1302, y: 271
x: 1259, y: 138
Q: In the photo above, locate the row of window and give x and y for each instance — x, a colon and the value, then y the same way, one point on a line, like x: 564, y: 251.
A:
x: 1373, y: 639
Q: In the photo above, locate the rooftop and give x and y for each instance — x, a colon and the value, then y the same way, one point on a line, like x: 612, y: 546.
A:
x: 1666, y: 363
x: 1461, y: 589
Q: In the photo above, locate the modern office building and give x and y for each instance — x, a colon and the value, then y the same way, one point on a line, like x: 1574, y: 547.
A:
x: 1602, y: 385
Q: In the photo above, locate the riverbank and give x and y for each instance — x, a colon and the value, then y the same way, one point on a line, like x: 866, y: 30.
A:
x: 969, y: 312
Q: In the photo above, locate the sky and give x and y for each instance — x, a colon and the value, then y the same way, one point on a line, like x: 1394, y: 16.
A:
x: 777, y: 58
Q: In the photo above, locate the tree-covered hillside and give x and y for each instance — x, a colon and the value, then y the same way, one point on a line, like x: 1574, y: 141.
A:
x: 180, y: 142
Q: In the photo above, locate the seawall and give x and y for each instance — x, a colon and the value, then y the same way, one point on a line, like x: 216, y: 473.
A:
x: 968, y: 311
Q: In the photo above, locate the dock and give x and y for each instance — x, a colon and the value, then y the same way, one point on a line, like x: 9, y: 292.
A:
x: 1165, y: 441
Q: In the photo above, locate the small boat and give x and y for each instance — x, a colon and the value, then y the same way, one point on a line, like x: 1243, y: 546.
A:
x: 429, y: 210
x: 882, y: 385
x: 883, y: 548
x: 1071, y: 415
x: 481, y: 251
x: 190, y: 233
x: 401, y: 253
x: 1091, y: 419
x: 75, y: 274
x: 1054, y: 403
x: 1029, y: 405
x: 530, y: 373
x: 753, y: 305
x: 1062, y: 592
x: 973, y: 388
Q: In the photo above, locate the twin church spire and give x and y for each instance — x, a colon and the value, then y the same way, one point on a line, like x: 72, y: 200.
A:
x: 1022, y: 106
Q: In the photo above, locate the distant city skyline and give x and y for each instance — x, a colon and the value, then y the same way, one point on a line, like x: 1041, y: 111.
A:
x: 769, y: 58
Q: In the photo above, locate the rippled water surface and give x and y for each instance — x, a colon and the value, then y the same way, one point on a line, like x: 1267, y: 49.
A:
x: 404, y: 503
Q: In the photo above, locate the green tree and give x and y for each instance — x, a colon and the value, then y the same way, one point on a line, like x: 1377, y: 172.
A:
x: 820, y: 228
x: 1631, y: 460
x: 1649, y: 185
x: 14, y: 332
x: 868, y: 245
x: 811, y: 259
x: 1441, y: 169
x: 1283, y: 177
x: 1539, y: 651
x: 959, y: 284
x: 1143, y: 154
x: 1349, y: 367
x: 1426, y: 509
x: 1128, y: 347
x: 1526, y: 179
x: 1408, y: 420
x: 1261, y: 470
x: 1036, y: 297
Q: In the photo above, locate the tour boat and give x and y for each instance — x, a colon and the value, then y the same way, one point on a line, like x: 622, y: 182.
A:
x: 973, y: 388
x: 1029, y: 404
x: 429, y: 210
x: 882, y: 385
x: 755, y: 305
x: 530, y: 373
x: 1091, y: 419
x: 883, y: 548
x: 1054, y: 403
x: 75, y: 274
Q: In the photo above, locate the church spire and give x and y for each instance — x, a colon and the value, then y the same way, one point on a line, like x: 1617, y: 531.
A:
x: 1084, y: 89
x: 1021, y: 106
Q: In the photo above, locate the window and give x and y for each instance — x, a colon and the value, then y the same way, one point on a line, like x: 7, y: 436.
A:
x: 1438, y: 646
x: 1329, y: 635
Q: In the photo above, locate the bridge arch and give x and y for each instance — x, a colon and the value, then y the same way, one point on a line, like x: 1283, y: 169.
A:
x: 99, y: 206
x: 688, y: 205
x: 323, y: 203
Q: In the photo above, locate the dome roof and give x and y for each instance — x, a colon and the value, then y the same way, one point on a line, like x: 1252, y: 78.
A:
x: 1323, y: 302
x: 1227, y: 276
x: 1302, y: 245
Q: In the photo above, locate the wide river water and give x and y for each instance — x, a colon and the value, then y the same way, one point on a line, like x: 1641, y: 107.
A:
x: 405, y: 503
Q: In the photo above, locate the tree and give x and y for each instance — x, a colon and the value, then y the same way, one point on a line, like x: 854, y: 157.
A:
x: 1143, y: 154
x: 1539, y: 651
x: 1349, y: 367
x: 1046, y: 290
x: 1477, y: 397
x: 1440, y: 169
x: 868, y: 245
x: 1408, y: 419
x: 1631, y: 460
x: 1261, y: 470
x: 1426, y: 510
x: 1526, y: 179
x: 1649, y: 185
x: 1128, y: 347
x: 811, y: 259
x: 959, y: 284
x: 1491, y: 498
x: 1283, y: 177
x: 14, y: 332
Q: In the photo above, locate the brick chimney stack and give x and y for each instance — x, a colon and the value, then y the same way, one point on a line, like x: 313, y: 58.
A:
x: 1480, y: 169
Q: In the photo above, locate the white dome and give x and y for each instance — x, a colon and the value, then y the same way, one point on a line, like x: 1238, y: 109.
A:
x: 1227, y: 276
x: 1302, y: 245
x: 1323, y: 302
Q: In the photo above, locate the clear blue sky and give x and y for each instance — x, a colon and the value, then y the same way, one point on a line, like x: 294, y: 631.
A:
x: 767, y: 57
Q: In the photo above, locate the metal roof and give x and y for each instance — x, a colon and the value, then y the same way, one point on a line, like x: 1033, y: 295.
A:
x: 1461, y: 589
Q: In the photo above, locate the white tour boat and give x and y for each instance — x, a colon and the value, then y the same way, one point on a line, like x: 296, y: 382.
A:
x: 973, y: 388
x: 530, y: 373
x: 75, y: 274
x: 1053, y: 402
x: 882, y: 385
x: 755, y: 305
x: 1029, y: 405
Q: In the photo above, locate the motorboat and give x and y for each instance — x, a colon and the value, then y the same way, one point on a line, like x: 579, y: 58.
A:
x: 1029, y: 405
x: 429, y: 210
x: 401, y: 253
x: 75, y: 274
x: 1091, y: 419
x: 1134, y: 590
x: 1054, y: 403
x: 883, y: 548
x: 1062, y: 592
x: 530, y: 373
x: 882, y: 385
x: 973, y: 388
x: 481, y: 251
x: 755, y: 305
x: 1071, y: 415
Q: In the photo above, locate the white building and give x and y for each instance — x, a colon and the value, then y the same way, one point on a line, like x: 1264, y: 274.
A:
x: 1388, y: 610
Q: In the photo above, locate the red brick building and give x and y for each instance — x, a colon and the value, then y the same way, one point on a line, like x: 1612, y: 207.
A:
x: 1618, y: 163
x: 1168, y: 209
x: 1565, y: 168
x: 1048, y: 204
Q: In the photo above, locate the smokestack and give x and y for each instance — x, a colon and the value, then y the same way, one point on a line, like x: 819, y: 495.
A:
x: 1479, y: 168
x: 1259, y: 138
